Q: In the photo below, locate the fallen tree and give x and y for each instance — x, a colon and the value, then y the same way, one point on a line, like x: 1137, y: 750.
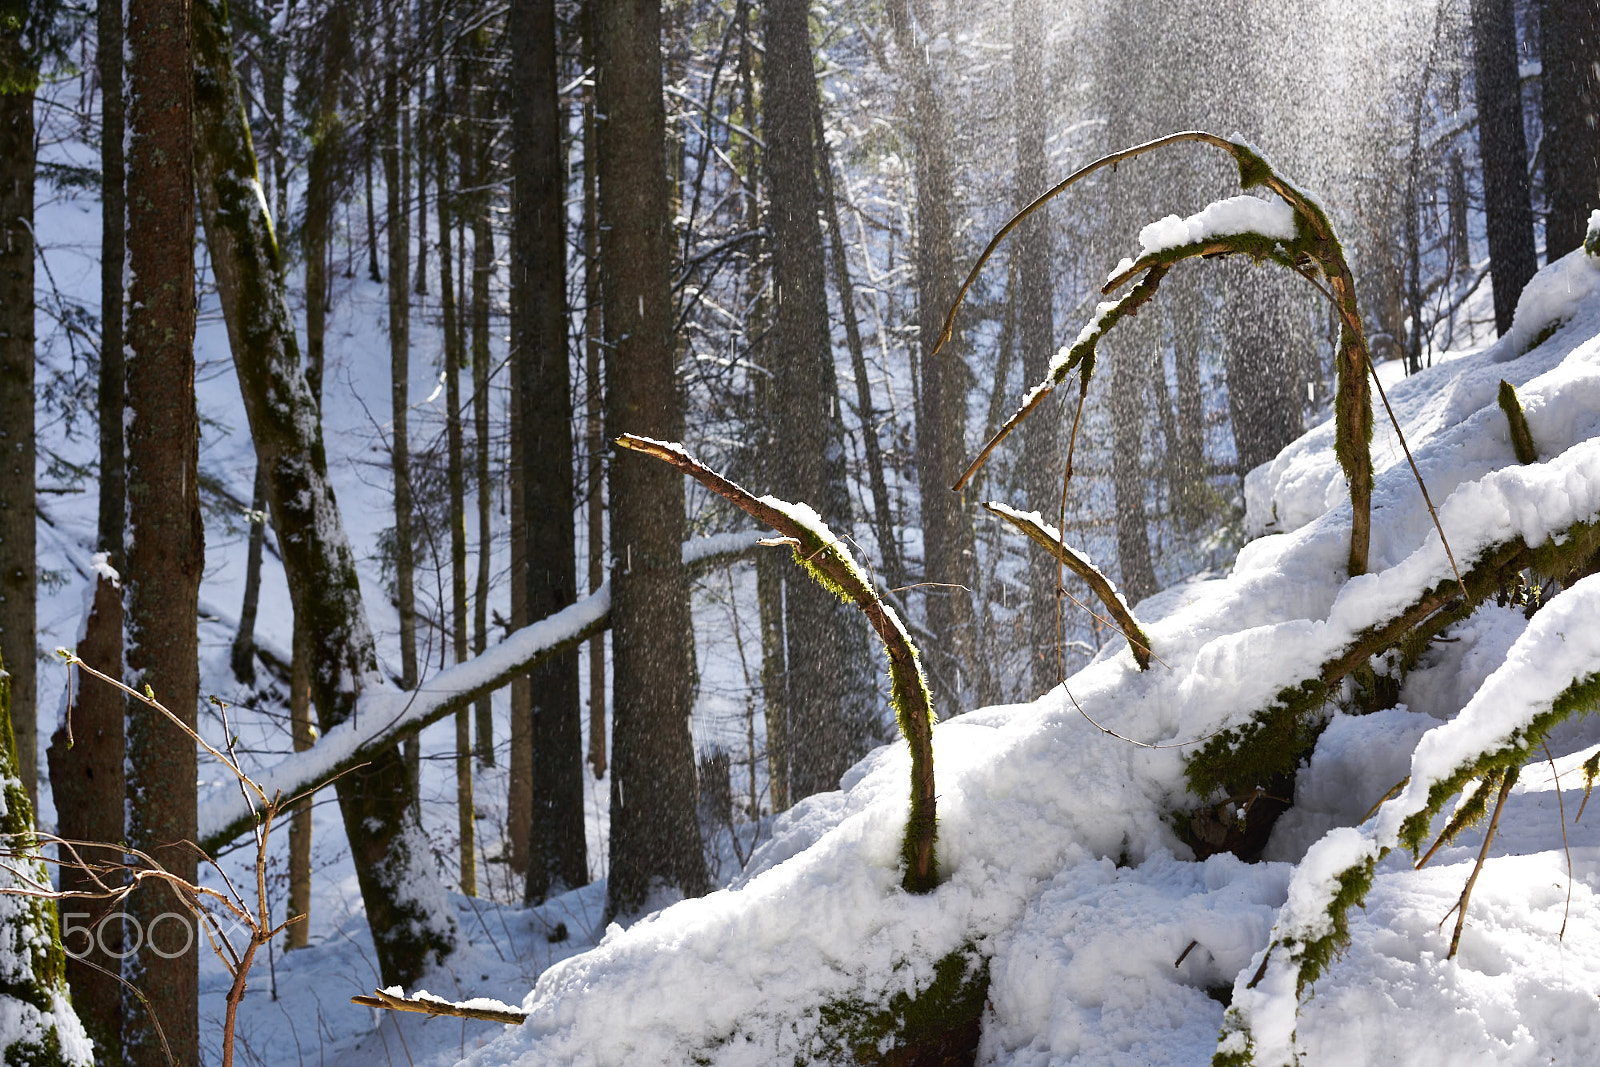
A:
x: 385, y: 716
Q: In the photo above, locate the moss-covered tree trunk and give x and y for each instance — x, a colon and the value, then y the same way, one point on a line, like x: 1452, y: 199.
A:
x: 18, y: 569
x: 41, y: 1029
x: 405, y: 904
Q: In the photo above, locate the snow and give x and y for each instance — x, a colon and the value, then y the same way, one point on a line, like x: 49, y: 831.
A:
x: 1223, y: 218
x: 1060, y: 866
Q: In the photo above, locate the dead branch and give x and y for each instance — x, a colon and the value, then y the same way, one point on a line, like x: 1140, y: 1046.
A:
x: 433, y: 1006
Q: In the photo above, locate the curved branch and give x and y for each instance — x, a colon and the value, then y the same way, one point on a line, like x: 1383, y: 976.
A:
x: 1031, y: 524
x: 830, y: 563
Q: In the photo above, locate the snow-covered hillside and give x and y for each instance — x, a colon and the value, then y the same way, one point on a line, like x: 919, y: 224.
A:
x: 1065, y: 882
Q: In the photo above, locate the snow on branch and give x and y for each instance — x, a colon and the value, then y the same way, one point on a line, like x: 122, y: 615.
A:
x: 385, y: 715
x: 1549, y: 674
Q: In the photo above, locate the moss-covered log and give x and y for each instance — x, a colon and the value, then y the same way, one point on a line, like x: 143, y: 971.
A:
x: 398, y: 883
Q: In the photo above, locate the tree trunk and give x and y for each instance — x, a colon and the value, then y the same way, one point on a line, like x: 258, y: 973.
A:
x: 482, y: 272
x: 594, y: 391
x: 18, y: 559
x: 41, y: 1029
x: 1569, y: 41
x: 831, y: 706
x: 455, y: 478
x: 655, y: 838
x: 321, y: 75
x: 1036, y: 320
x: 519, y: 786
x: 557, y: 850
x: 949, y: 551
x: 86, y: 781
x: 1503, y: 147
x: 243, y: 655
x: 888, y: 542
x: 1127, y: 473
x: 1258, y: 358
x: 406, y: 907
x: 166, y: 554
x: 300, y: 820
x: 86, y: 777
x: 400, y: 362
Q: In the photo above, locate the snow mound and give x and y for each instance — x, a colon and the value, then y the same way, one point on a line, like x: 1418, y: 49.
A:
x: 1061, y: 868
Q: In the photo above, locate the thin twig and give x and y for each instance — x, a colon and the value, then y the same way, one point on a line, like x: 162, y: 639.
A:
x: 1460, y: 909
x: 1561, y: 810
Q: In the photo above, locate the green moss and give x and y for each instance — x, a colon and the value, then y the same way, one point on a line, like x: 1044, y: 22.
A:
x: 1314, y: 956
x: 1521, y: 436
x: 1269, y: 746
x: 941, y: 1018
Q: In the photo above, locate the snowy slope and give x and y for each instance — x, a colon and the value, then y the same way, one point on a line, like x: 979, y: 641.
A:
x: 1059, y: 865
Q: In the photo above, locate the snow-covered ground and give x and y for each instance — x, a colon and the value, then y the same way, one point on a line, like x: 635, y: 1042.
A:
x: 1061, y: 869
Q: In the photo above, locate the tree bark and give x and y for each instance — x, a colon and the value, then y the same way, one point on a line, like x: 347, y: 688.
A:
x: 242, y: 657
x: 482, y: 272
x: 321, y: 74
x: 655, y: 838
x: 1128, y: 474
x: 455, y: 478
x: 86, y: 781
x: 1503, y: 147
x: 949, y: 551
x: 594, y: 392
x: 167, y: 538
x: 406, y: 908
x: 18, y: 559
x: 300, y: 820
x: 557, y: 849
x: 831, y: 706
x: 1036, y: 321
x: 1569, y: 41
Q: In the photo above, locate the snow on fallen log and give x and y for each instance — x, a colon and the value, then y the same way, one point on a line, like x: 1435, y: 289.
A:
x: 385, y: 714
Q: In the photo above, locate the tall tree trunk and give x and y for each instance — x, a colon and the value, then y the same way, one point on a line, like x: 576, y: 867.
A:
x: 400, y: 360
x: 949, y: 551
x: 405, y: 904
x: 519, y: 787
x: 455, y: 478
x: 86, y: 777
x: 167, y: 550
x: 655, y: 838
x: 1569, y: 41
x: 1036, y: 321
x: 482, y: 272
x: 557, y: 851
x: 1503, y: 147
x: 18, y: 567
x: 831, y: 704
x: 86, y: 781
x: 883, y: 516
x: 594, y: 391
x: 321, y: 74
x: 1258, y: 358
